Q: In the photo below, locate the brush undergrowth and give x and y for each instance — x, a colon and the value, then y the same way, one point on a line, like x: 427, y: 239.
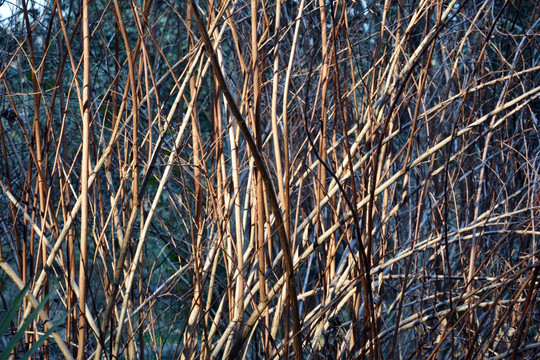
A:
x: 257, y: 179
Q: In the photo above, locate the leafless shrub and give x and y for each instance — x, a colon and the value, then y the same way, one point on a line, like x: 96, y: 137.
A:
x: 306, y: 179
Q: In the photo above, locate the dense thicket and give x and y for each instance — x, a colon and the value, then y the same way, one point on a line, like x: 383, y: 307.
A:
x: 256, y: 179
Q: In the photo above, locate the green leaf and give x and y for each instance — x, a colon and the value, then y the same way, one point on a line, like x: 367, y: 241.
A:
x: 12, y: 311
x: 19, y: 335
x: 45, y: 336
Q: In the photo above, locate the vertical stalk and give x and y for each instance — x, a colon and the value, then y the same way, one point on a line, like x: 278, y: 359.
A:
x: 197, y: 223
x: 81, y: 353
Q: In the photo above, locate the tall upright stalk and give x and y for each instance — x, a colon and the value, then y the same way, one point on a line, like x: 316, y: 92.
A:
x: 274, y: 180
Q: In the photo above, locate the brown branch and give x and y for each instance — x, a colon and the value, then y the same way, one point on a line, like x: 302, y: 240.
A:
x: 284, y: 242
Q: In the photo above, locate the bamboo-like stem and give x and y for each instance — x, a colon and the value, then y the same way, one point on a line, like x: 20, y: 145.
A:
x: 271, y: 194
x: 86, y: 118
x: 351, y: 180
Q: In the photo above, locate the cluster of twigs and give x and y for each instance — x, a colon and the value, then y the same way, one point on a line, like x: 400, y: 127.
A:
x: 257, y: 179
